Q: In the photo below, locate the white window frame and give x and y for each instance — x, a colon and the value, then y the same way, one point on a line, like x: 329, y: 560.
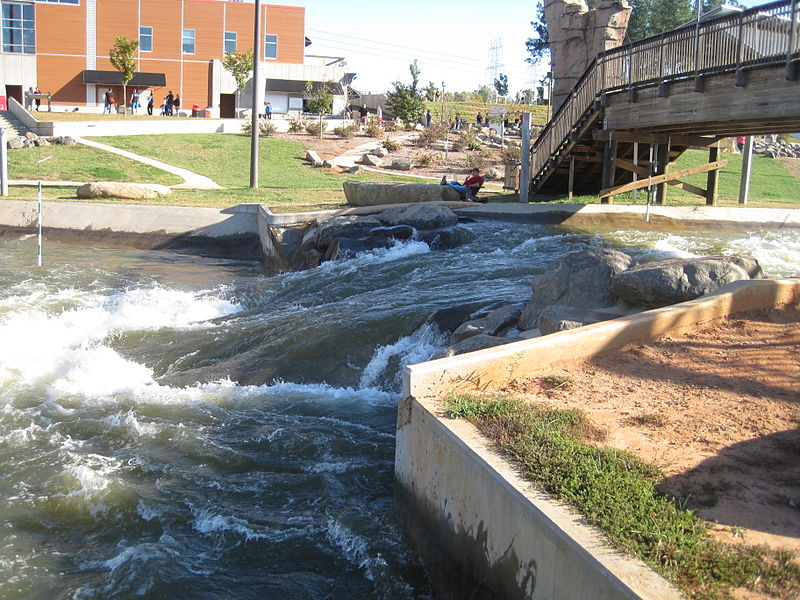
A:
x: 229, y: 36
x: 143, y: 35
x: 186, y: 36
x: 270, y: 43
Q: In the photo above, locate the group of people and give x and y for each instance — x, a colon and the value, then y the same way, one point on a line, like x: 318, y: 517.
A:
x: 171, y: 105
x: 30, y: 101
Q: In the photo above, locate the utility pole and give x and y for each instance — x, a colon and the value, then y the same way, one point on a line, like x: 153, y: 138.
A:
x: 254, y: 113
x: 495, y: 63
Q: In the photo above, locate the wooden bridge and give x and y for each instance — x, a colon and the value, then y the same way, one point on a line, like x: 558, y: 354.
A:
x: 638, y: 107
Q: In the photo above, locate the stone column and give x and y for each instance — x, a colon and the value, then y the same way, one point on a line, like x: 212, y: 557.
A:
x: 577, y: 35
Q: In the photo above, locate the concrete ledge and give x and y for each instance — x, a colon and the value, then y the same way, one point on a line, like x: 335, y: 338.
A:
x: 480, y: 370
x: 490, y: 533
x: 467, y: 507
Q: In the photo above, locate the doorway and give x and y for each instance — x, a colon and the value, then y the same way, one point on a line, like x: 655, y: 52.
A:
x: 15, y: 92
x: 227, y: 106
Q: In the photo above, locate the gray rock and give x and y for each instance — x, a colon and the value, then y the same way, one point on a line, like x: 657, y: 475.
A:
x: 397, y: 232
x: 313, y: 158
x: 66, y: 140
x: 355, y: 170
x: 381, y: 152
x: 495, y: 323
x: 750, y: 266
x: 370, y: 193
x: 472, y: 344
x: 41, y: 142
x: 346, y: 247
x: 419, y: 216
x: 113, y: 189
x: 15, y: 143
x: 493, y: 174
x: 560, y: 318
x: 401, y: 164
x: 31, y: 136
x: 666, y: 282
x: 452, y: 237
x: 581, y: 279
x: 348, y: 226
x: 371, y: 160
x: 449, y: 318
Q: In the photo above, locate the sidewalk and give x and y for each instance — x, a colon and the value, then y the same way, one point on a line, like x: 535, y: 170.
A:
x: 191, y: 180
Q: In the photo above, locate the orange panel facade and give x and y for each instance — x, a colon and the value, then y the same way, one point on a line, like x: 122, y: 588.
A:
x: 62, y: 53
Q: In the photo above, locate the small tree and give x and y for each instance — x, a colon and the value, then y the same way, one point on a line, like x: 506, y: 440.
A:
x: 406, y: 101
x: 501, y: 85
x: 121, y: 56
x: 320, y: 101
x: 239, y: 65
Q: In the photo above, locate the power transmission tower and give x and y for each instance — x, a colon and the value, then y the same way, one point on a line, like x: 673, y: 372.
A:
x: 495, y: 61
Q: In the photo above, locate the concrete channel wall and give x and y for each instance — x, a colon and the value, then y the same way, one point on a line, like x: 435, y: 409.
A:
x: 469, y: 509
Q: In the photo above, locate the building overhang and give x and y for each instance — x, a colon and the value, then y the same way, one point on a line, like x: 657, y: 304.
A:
x: 292, y: 86
x: 115, y: 78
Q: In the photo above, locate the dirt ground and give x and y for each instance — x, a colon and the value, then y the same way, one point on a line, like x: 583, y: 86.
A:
x: 792, y: 165
x: 718, y: 410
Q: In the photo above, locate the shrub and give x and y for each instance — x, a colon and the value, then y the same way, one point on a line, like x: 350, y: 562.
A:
x: 426, y: 159
x: 475, y: 160
x: 373, y: 130
x: 430, y: 136
x: 390, y: 145
x: 265, y: 128
x: 389, y: 125
x: 509, y: 154
x: 297, y: 125
x: 344, y: 131
x: 316, y: 127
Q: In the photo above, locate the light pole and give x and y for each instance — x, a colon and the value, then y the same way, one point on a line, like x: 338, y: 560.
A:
x: 254, y: 113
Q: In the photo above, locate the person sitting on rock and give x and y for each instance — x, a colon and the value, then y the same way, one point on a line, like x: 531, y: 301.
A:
x: 470, y: 188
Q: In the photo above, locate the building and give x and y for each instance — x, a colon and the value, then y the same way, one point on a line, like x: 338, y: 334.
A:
x: 61, y: 47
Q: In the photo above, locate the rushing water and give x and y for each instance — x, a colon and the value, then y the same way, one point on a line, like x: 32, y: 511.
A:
x: 122, y: 477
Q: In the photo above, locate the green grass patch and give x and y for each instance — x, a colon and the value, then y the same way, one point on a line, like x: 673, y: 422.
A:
x: 81, y: 163
x: 618, y: 493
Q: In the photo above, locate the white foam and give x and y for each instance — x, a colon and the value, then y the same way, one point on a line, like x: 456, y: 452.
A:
x: 399, y: 250
x: 355, y: 549
x: 415, y: 348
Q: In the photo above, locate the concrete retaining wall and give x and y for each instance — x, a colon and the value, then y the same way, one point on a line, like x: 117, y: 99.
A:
x: 498, y: 537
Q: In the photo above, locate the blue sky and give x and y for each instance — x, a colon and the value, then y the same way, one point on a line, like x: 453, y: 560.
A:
x: 450, y: 40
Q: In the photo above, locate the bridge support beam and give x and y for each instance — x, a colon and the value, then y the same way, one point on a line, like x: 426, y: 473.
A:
x: 609, y: 157
x: 712, y: 179
x: 662, y: 161
x: 747, y: 163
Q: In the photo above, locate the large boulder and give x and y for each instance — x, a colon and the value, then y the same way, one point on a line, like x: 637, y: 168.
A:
x: 449, y: 318
x: 581, y: 279
x: 445, y: 239
x: 419, y: 216
x: 371, y: 160
x: 313, y: 158
x: 15, y: 143
x: 113, y: 189
x: 344, y: 226
x: 370, y: 193
x: 671, y: 281
x: 472, y: 344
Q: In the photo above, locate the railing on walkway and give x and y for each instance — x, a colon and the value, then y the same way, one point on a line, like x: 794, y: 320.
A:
x: 761, y: 35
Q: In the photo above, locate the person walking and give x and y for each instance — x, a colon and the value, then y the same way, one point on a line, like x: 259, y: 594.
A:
x: 150, y: 102
x: 37, y: 101
x: 134, y: 101
x: 176, y: 103
x: 268, y: 110
x: 168, y: 103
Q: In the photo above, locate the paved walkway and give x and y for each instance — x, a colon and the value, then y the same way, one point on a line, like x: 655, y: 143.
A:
x: 191, y: 180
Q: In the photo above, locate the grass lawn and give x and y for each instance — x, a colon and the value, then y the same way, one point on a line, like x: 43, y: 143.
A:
x: 81, y: 163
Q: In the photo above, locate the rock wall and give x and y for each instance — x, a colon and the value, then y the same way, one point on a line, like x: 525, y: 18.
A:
x: 577, y: 34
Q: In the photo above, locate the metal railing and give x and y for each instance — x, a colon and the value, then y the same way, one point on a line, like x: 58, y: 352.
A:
x: 761, y: 35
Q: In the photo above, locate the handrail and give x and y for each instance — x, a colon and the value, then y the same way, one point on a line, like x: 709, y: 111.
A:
x: 764, y: 34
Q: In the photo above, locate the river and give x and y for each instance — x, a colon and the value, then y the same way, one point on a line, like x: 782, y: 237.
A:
x: 121, y: 476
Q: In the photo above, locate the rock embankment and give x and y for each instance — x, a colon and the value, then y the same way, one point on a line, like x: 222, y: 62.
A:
x: 776, y: 149
x: 30, y: 140
x: 590, y: 286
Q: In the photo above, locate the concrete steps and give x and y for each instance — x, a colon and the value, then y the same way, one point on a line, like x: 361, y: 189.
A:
x: 11, y: 124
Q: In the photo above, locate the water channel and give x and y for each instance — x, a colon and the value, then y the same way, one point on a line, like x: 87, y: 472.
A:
x: 121, y: 476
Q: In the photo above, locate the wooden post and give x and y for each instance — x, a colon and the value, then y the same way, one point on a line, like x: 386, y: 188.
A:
x: 609, y: 154
x: 636, y: 156
x: 662, y: 160
x: 712, y: 180
x: 571, y: 177
x: 747, y: 163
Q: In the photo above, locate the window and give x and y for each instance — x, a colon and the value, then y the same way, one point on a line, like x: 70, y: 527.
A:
x: 188, y: 41
x: 146, y: 39
x: 230, y: 42
x: 271, y: 46
x: 18, y: 28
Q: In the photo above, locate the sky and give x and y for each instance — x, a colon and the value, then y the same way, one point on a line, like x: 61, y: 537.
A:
x: 452, y: 41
